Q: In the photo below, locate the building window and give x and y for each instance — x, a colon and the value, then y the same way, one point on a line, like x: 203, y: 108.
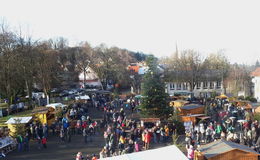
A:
x: 211, y: 85
x: 218, y: 84
x: 178, y: 86
x: 172, y: 86
x: 198, y: 85
x: 205, y: 85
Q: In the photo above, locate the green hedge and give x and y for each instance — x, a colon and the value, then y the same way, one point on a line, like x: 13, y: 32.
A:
x: 251, y: 99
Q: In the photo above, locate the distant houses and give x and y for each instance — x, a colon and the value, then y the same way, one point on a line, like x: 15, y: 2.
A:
x: 91, y: 79
x: 256, y: 83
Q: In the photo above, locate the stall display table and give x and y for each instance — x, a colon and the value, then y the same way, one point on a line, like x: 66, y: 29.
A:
x: 7, y: 144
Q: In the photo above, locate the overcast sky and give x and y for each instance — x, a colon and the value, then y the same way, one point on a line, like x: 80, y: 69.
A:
x: 148, y: 26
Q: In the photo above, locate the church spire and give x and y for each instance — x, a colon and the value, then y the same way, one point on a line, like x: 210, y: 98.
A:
x: 176, y: 54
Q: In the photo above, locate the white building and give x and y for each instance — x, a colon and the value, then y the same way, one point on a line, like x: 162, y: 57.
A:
x: 256, y: 81
x: 91, y: 78
x: 202, y: 89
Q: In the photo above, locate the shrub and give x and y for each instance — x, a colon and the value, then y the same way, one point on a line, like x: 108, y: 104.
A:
x: 180, y: 129
x: 241, y: 98
x: 251, y: 99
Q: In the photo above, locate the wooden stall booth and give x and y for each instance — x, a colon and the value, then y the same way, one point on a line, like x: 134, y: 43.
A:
x: 44, y: 115
x: 225, y: 150
x: 149, y: 122
x: 194, y: 118
x: 12, y: 122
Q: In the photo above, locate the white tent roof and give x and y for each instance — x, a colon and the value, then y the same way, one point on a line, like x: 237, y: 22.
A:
x: 169, y: 152
x: 85, y: 97
x: 56, y: 105
x: 15, y: 120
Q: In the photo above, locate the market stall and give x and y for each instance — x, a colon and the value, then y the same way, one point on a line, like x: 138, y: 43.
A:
x: 7, y: 144
x: 12, y: 122
x: 44, y: 115
x: 192, y: 118
x: 224, y: 150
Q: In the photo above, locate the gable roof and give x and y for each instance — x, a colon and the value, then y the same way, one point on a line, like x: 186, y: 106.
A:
x: 256, y: 72
x: 221, y: 146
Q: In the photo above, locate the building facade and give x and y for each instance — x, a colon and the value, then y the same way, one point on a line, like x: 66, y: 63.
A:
x: 202, y: 89
x: 256, y: 83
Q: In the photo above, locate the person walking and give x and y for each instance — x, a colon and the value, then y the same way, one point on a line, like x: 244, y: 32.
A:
x: 85, y: 135
x: 19, y: 140
x: 79, y: 156
x: 147, y: 139
x: 190, y: 152
x: 44, y: 142
x: 26, y: 142
x: 62, y: 135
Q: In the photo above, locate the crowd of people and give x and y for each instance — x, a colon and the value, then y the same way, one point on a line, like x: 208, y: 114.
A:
x: 123, y: 134
x: 229, y: 121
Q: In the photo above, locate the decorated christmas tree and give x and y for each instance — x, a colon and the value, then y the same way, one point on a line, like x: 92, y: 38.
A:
x: 155, y: 100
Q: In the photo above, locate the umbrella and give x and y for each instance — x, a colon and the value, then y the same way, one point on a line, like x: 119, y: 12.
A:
x: 138, y: 96
x: 222, y: 96
x: 241, y: 120
x: 228, y: 121
x: 232, y: 117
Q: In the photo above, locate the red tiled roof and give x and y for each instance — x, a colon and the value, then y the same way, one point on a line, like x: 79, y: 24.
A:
x: 256, y: 72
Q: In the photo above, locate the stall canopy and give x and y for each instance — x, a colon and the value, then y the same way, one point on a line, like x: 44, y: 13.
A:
x: 169, y: 152
x: 56, y: 105
x: 16, y: 120
x: 85, y: 97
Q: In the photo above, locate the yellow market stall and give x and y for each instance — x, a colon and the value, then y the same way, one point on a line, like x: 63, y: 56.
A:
x: 44, y: 115
x: 14, y: 121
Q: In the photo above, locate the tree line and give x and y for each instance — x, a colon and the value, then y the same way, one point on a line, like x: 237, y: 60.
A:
x: 26, y: 64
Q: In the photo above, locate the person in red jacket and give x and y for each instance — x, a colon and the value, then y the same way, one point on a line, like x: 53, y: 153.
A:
x: 44, y: 142
x: 147, y: 139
